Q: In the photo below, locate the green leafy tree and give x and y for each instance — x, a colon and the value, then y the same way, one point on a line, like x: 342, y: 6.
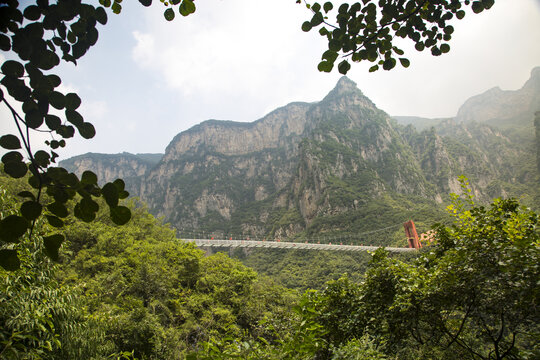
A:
x: 40, y: 317
x: 473, y: 294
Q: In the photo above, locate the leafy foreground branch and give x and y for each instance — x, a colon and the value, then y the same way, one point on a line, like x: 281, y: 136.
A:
x: 370, y: 30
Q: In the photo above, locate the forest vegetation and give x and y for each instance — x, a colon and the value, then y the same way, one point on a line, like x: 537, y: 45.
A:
x: 136, y: 291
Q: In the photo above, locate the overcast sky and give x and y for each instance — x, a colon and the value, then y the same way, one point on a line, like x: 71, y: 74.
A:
x: 148, y: 79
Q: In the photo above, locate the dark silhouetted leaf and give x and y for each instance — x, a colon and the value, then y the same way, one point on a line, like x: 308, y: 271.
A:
x: 325, y: 66
x: 89, y: 177
x: 120, y: 215
x: 5, y: 43
x: 9, y: 260
x: 12, y: 156
x: 343, y: 67
x: 389, y: 64
x: 12, y: 68
x: 42, y: 158
x: 110, y: 193
x: 74, y: 117
x: 84, y: 211
x: 53, y: 122
x: 328, y: 6
x: 52, y: 245
x: 32, y: 12
x: 27, y: 194
x: 58, y: 209
x: 306, y: 26
x: 116, y: 8
x: 404, y: 62
x: 16, y: 169
x: 101, y: 15
x: 31, y: 210
x: 12, y: 228
x: 146, y: 2
x: 10, y: 142
x: 57, y: 100
x: 169, y: 14
x: 54, y: 221
x: 33, y: 119
x: 87, y: 130
x: 73, y: 101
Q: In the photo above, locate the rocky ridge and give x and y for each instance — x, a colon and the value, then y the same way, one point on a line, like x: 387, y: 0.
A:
x: 338, y: 165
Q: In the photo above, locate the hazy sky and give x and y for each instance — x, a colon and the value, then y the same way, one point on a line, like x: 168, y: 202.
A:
x: 147, y: 79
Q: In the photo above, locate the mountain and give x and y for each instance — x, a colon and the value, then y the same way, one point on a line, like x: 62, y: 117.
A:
x: 337, y: 166
x: 130, y: 167
x: 512, y: 111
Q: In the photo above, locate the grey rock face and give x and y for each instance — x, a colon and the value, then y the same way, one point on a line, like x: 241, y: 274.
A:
x: 322, y: 166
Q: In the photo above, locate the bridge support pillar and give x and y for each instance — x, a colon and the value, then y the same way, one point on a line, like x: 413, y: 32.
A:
x: 412, y: 235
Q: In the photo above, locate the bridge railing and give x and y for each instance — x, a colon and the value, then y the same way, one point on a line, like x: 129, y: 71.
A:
x: 288, y: 245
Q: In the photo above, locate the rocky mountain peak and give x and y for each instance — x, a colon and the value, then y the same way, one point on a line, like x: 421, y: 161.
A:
x: 344, y: 86
x: 346, y: 94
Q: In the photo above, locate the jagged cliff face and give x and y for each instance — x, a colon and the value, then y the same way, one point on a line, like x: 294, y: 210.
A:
x: 279, y: 174
x: 109, y: 167
x: 331, y: 166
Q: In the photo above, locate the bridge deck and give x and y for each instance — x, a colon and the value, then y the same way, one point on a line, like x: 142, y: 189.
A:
x: 288, y: 245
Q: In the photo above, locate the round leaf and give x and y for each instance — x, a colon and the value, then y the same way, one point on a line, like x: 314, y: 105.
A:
x: 53, y: 122
x: 12, y: 228
x: 187, y: 7
x: 74, y: 117
x: 52, y: 244
x: 343, y: 67
x: 169, y: 14
x: 110, y: 193
x: 42, y: 158
x: 12, y: 156
x: 54, y: 221
x: 32, y: 13
x: 12, y: 68
x: 31, y: 210
x: 146, y: 2
x: 89, y: 177
x: 10, y: 142
x: 9, y: 260
x: 58, y: 209
x: 73, y: 101
x: 27, y: 194
x: 404, y: 62
x: 5, y: 43
x: 120, y: 215
x: 306, y: 26
x: 87, y: 130
x: 101, y: 15
x: 57, y: 100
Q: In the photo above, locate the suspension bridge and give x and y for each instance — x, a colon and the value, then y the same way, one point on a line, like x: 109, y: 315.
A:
x: 414, y: 242
x: 218, y: 243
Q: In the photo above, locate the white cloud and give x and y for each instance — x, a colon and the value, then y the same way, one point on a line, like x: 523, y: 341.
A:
x: 255, y: 51
x: 143, y: 53
x: 229, y: 48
